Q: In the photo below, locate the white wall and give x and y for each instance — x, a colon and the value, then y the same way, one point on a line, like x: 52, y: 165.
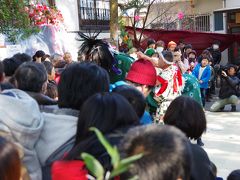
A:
x: 232, y: 3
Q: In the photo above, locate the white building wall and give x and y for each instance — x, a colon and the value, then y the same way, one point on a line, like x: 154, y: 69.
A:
x: 232, y: 3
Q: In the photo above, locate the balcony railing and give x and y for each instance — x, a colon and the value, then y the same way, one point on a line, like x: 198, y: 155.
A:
x: 94, y: 18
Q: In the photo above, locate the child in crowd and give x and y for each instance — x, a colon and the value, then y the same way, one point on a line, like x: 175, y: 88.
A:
x: 203, y: 73
x: 188, y: 115
x: 192, y: 59
x: 171, y: 46
x: 166, y: 153
x: 160, y: 45
x: 151, y: 44
x: 137, y: 100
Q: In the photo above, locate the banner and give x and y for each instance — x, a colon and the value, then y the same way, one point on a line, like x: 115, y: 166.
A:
x: 199, y: 40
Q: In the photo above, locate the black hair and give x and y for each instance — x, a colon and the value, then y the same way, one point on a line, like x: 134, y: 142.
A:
x: 105, y: 111
x: 134, y: 97
x: 23, y: 57
x: 166, y: 153
x: 96, y: 50
x: 168, y: 55
x: 1, y: 70
x: 38, y: 54
x: 150, y: 41
x: 234, y: 175
x: 78, y: 82
x: 31, y: 76
x: 216, y: 42
x: 186, y: 114
x: 10, y: 65
x: 188, y: 46
x: 49, y: 66
x: 52, y: 91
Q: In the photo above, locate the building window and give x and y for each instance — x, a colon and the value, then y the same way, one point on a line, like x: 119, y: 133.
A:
x: 94, y: 14
x: 218, y: 21
x: 196, y: 22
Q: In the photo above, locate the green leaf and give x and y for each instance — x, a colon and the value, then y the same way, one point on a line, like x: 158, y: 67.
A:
x: 119, y: 170
x: 112, y: 151
x: 124, y: 165
x: 93, y: 165
x: 131, y: 159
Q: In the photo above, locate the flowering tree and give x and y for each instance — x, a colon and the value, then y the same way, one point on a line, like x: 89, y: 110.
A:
x: 41, y: 14
x: 17, y: 17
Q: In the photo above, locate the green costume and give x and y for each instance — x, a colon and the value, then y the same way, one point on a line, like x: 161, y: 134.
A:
x: 124, y: 63
x: 192, y: 88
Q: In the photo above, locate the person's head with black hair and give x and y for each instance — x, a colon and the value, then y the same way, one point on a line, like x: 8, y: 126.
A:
x: 98, y: 51
x: 166, y: 153
x: 10, y: 65
x: 216, y: 45
x: 187, y: 115
x: 50, y: 70
x: 31, y: 77
x: 188, y: 48
x: 52, y: 91
x: 10, y: 163
x: 38, y: 56
x: 234, y: 175
x: 105, y: 111
x: 78, y: 82
x: 23, y: 57
x: 231, y: 70
x: 151, y: 43
x: 167, y: 60
x: 2, y: 74
x: 134, y: 97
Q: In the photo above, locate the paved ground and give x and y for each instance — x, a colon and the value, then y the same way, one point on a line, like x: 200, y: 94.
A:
x: 222, y: 139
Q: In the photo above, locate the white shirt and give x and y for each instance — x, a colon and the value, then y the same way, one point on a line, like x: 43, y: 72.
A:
x: 201, y: 72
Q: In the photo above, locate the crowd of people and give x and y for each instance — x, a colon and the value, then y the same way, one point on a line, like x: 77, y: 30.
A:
x: 149, y: 103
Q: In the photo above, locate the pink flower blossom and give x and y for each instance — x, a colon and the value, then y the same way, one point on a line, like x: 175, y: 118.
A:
x: 137, y: 18
x: 180, y: 15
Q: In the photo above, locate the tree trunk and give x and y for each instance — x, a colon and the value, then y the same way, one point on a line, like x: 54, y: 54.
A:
x: 114, y: 21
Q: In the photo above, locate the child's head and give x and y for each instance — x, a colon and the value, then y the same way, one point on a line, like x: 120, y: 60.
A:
x: 180, y: 114
x: 205, y: 62
x: 52, y: 91
x: 134, y: 97
x: 166, y: 153
x: 231, y: 70
x: 171, y: 46
x: 234, y: 175
x: 188, y: 48
x: 151, y: 43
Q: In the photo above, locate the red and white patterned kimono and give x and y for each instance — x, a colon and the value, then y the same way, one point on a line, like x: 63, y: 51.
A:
x: 169, y: 87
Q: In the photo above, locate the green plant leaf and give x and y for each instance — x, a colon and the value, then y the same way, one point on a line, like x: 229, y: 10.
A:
x: 93, y: 165
x: 131, y: 159
x: 124, y: 165
x: 112, y: 151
